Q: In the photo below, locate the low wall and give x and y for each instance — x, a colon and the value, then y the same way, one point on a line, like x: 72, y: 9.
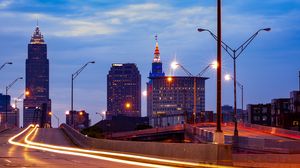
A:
x: 256, y: 144
x: 3, y: 128
x: 273, y: 130
x: 204, y: 153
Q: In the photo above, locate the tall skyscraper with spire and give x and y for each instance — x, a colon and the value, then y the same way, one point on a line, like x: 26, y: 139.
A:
x: 37, y: 103
x: 156, y: 63
x: 170, y: 99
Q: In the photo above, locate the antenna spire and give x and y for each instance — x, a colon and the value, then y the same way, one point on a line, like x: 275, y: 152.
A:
x: 37, y: 21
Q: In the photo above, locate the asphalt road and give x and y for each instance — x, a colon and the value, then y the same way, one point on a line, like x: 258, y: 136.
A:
x: 15, y: 156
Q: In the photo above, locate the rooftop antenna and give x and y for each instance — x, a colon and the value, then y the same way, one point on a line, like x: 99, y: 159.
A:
x: 37, y: 21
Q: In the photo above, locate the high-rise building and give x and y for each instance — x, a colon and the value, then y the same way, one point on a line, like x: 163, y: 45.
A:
x: 37, y: 103
x: 170, y: 99
x: 123, y: 91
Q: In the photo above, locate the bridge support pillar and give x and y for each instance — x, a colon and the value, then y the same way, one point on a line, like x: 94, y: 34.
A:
x: 218, y: 138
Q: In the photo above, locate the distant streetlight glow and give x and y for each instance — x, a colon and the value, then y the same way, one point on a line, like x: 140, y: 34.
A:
x: 169, y: 79
x: 214, y: 64
x: 50, y: 113
x: 144, y: 93
x: 67, y: 112
x: 81, y: 113
x: 27, y: 93
x: 174, y: 65
x: 227, y: 77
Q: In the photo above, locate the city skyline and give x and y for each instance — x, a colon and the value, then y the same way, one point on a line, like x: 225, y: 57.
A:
x: 74, y: 39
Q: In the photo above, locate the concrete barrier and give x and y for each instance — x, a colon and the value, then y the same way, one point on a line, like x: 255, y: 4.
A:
x: 202, y: 153
x: 3, y: 128
x: 254, y: 144
x: 273, y: 130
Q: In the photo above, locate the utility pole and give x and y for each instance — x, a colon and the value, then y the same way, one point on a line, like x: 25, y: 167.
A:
x: 218, y: 135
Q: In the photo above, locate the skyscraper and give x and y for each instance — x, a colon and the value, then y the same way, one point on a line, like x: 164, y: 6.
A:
x: 170, y: 99
x: 123, y: 91
x: 156, y: 64
x: 37, y: 103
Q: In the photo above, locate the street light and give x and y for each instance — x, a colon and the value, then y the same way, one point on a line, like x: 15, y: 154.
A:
x: 234, y: 54
x: 74, y: 75
x: 229, y: 77
x: 6, y: 93
x: 102, y: 114
x: 6, y: 63
x: 50, y: 114
x: 175, y: 65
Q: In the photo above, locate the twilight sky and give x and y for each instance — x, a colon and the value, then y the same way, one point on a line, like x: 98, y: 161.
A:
x: 122, y: 31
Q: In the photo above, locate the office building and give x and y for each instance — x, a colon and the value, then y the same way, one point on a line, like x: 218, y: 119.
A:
x: 170, y: 99
x: 123, y: 91
x: 37, y: 103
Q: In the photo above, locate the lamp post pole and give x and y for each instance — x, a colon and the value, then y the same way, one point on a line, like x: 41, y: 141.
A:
x: 234, y: 54
x: 6, y: 94
x: 74, y: 75
x: 6, y: 63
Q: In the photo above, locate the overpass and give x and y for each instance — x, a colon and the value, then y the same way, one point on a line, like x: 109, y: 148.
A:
x: 65, y: 147
x: 58, y: 147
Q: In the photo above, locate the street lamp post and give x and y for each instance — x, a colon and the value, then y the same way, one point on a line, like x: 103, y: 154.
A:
x: 6, y: 94
x: 52, y: 114
x: 234, y: 54
x: 74, y: 75
x: 229, y: 77
x: 174, y: 65
x: 102, y: 114
x: 6, y: 63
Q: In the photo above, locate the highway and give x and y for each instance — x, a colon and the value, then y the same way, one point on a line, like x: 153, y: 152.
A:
x: 15, y: 156
x: 34, y: 147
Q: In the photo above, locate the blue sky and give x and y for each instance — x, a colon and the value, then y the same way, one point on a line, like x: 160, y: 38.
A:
x: 110, y: 31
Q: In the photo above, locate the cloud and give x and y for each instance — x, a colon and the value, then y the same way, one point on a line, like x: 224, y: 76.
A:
x: 140, y: 12
x: 5, y: 3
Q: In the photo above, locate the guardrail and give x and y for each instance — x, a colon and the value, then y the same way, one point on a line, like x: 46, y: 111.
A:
x: 248, y: 143
x: 204, y: 153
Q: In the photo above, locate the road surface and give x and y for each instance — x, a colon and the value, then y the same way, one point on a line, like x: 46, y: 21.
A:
x: 14, y: 156
x: 49, y: 147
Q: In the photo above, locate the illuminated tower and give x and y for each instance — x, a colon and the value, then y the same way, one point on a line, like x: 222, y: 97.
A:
x: 156, y: 72
x: 37, y: 103
x: 156, y: 64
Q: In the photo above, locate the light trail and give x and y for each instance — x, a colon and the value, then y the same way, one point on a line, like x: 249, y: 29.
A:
x: 114, y: 154
x: 11, y: 141
x: 89, y: 153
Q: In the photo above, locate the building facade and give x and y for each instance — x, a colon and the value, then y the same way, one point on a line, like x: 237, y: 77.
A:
x: 37, y: 103
x: 280, y: 109
x: 259, y: 114
x: 123, y: 91
x: 170, y: 99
